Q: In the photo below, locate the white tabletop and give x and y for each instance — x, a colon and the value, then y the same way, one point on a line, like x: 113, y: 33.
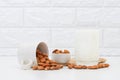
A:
x: 10, y: 70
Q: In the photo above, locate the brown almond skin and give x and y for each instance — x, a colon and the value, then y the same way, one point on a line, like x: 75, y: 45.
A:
x: 61, y: 66
x: 60, y: 51
x: 100, y: 65
x: 47, y: 68
x: 35, y: 67
x: 78, y: 67
x: 40, y: 64
x: 51, y: 68
x: 41, y: 56
x: 42, y: 60
x: 84, y: 67
x: 73, y: 64
x: 47, y: 62
x: 107, y: 65
x: 53, y: 64
x: 54, y: 68
x: 103, y: 65
x: 55, y: 51
x: 66, y: 51
x: 58, y: 67
x: 46, y: 58
x: 41, y: 68
x: 70, y: 66
x: 89, y: 67
x: 93, y: 67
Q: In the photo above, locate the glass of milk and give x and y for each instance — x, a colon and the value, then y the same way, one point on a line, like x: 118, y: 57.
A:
x: 87, y: 46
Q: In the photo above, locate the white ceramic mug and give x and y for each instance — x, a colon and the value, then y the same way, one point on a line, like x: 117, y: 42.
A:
x: 27, y: 53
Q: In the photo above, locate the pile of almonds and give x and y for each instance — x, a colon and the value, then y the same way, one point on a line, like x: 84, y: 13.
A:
x: 98, y: 66
x: 44, y: 63
x: 57, y: 51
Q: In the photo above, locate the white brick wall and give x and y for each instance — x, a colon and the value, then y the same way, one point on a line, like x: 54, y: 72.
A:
x: 54, y: 22
x: 89, y: 16
x: 77, y: 3
x: 11, y: 17
x: 112, y: 3
x: 48, y: 16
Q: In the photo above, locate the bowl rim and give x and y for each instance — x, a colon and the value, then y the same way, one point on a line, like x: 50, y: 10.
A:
x: 61, y: 54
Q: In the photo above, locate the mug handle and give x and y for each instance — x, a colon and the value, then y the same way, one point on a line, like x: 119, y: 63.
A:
x: 26, y: 64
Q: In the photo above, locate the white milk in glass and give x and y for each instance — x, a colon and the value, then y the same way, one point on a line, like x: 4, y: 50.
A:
x: 87, y: 46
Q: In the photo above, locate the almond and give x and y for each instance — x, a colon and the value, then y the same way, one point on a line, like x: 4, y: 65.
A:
x: 93, y: 67
x: 78, y: 67
x: 70, y: 66
x: 55, y: 51
x: 84, y: 67
x: 40, y: 68
x: 35, y: 67
x: 42, y: 60
x: 66, y: 51
x: 47, y: 62
x: 100, y: 65
x: 47, y: 68
x: 60, y: 51
x: 107, y: 65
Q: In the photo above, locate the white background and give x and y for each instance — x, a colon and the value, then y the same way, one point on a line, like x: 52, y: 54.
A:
x: 54, y: 22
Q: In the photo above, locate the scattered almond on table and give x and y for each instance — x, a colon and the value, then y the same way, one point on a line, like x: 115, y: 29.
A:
x: 98, y: 66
